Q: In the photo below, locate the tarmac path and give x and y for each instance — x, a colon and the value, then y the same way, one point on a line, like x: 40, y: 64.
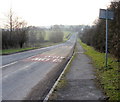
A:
x: 80, y: 81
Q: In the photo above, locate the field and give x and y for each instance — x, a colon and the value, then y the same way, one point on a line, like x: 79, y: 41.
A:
x: 66, y: 33
x: 10, y: 51
x: 41, y: 45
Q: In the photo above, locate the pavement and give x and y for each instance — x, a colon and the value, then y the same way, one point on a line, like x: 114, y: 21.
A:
x: 29, y: 75
x: 80, y: 80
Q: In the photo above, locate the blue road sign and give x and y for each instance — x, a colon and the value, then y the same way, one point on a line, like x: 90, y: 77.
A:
x: 106, y: 14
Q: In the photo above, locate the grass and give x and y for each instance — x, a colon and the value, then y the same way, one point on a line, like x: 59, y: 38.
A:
x: 9, y: 51
x: 46, y: 44
x: 41, y: 45
x: 47, y: 35
x: 108, y: 77
x: 66, y: 33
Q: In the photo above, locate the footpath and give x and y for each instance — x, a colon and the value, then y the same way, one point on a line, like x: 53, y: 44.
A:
x: 80, y: 79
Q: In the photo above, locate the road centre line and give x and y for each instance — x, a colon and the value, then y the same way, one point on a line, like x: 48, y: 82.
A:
x: 33, y: 57
x: 19, y: 70
x: 8, y: 64
x: 14, y: 62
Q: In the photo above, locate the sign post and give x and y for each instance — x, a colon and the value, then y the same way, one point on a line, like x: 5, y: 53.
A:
x: 106, y: 46
x: 107, y: 15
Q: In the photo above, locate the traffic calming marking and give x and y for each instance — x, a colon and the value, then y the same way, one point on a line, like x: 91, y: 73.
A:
x: 44, y: 58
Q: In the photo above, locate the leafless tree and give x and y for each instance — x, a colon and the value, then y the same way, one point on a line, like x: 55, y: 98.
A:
x: 15, y: 31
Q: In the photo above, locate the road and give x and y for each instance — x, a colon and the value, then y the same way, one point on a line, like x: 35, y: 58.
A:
x: 27, y: 75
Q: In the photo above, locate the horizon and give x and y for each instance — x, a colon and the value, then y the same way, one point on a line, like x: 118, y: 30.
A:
x: 54, y: 12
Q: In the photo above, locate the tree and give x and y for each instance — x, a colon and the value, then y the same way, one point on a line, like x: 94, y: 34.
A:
x: 15, y: 31
x: 36, y: 35
x: 95, y: 36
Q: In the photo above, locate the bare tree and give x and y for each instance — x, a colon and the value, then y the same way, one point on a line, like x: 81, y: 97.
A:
x: 16, y: 31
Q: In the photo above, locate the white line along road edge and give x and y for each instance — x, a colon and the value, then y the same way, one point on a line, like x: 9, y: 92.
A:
x: 52, y: 89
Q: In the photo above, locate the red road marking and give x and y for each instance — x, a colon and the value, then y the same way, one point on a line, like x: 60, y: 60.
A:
x: 44, y: 58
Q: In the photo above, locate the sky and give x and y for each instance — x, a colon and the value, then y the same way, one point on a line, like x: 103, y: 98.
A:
x: 51, y: 12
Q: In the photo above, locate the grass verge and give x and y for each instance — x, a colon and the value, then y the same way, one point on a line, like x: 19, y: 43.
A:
x: 108, y: 77
x: 41, y: 45
x: 66, y: 36
x: 10, y: 51
x: 16, y: 50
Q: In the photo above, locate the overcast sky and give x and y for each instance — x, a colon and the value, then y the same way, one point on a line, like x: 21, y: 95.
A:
x: 50, y: 12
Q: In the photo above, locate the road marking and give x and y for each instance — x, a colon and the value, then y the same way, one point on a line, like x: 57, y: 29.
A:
x: 8, y: 64
x: 39, y: 58
x: 57, y: 60
x: 45, y: 58
x: 55, y: 84
x: 19, y: 70
x: 14, y: 62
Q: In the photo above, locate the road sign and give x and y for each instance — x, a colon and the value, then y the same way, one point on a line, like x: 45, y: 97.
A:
x: 106, y: 14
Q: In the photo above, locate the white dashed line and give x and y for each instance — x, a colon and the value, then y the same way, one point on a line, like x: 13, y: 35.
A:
x: 9, y: 64
x: 19, y: 70
x: 13, y: 63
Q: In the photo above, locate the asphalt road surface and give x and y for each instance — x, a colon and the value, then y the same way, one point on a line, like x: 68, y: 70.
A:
x: 26, y: 75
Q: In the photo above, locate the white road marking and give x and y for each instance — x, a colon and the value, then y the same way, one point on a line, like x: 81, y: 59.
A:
x: 40, y: 59
x: 44, y: 58
x: 55, y: 84
x: 56, y: 60
x: 14, y: 62
x: 9, y: 64
x: 47, y: 59
x: 62, y: 57
x: 19, y: 70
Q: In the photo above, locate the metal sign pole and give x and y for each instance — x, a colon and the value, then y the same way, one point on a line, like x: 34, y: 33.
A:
x: 106, y: 55
x: 107, y: 15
